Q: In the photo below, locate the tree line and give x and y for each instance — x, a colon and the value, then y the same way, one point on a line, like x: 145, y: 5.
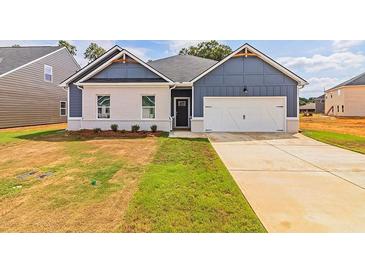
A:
x: 208, y: 49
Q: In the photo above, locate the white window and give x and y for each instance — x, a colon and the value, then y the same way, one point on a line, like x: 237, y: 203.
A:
x: 63, y: 108
x: 103, y: 103
x: 148, y: 107
x: 48, y: 73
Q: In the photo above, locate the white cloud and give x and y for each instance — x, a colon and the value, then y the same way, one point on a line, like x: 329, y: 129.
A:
x: 141, y: 53
x: 317, y: 85
x: 345, y: 45
x: 318, y: 62
x: 176, y: 45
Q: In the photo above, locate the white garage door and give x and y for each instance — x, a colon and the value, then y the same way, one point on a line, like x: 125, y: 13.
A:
x: 244, y: 114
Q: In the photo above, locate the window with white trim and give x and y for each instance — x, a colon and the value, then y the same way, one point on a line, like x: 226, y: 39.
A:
x: 103, y: 102
x: 48, y: 73
x: 63, y: 108
x: 148, y: 107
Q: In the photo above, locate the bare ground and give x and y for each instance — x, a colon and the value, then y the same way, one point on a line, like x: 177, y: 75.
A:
x: 66, y: 201
x: 351, y: 125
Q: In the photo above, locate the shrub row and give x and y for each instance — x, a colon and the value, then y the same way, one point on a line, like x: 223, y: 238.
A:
x: 134, y: 128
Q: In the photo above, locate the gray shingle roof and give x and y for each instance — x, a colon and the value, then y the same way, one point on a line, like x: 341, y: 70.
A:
x: 13, y: 57
x: 308, y: 106
x: 182, y: 68
x: 355, y: 81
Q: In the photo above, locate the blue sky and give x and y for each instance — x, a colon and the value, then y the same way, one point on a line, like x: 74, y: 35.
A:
x: 322, y: 63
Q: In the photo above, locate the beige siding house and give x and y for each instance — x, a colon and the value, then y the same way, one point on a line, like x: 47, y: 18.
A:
x: 29, y: 79
x: 347, y: 98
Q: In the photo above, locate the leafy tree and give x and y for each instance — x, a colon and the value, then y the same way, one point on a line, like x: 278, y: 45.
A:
x: 208, y: 49
x: 71, y: 48
x: 93, y: 52
x: 15, y: 46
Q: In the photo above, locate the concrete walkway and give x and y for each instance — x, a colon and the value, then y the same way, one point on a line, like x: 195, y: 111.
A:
x: 296, y: 184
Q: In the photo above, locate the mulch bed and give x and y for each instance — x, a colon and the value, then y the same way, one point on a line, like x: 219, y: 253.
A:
x: 110, y: 133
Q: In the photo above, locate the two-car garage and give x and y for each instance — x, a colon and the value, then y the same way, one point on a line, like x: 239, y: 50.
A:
x: 245, y: 114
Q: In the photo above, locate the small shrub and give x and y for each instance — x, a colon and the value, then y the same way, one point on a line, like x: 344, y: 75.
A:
x: 135, y: 128
x: 123, y: 131
x: 154, y: 128
x: 114, y: 127
x: 97, y: 129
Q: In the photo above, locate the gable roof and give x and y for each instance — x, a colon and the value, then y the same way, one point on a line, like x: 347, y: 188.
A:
x: 358, y: 80
x: 308, y: 106
x: 102, y: 62
x: 260, y: 55
x: 122, y: 53
x: 12, y: 58
x: 182, y: 68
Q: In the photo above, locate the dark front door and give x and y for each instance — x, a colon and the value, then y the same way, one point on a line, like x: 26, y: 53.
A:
x: 182, y: 113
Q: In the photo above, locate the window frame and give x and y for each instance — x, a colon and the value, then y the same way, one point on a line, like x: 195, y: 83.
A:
x: 97, y: 107
x: 343, y: 108
x: 44, y: 73
x: 61, y: 108
x: 143, y: 95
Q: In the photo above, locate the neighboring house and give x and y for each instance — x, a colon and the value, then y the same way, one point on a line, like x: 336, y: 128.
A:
x: 29, y: 85
x: 246, y: 91
x: 308, y: 108
x: 347, y: 98
x: 319, y: 102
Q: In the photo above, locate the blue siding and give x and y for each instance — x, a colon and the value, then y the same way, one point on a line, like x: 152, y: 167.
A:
x: 127, y: 70
x: 75, y: 101
x: 260, y: 79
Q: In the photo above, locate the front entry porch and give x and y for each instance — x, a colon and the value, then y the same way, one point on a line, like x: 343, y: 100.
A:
x: 181, y: 108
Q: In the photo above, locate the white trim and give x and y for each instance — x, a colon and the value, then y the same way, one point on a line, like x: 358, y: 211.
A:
x: 106, y: 54
x: 256, y: 97
x: 74, y: 118
x: 260, y: 55
x: 192, y: 101
x: 44, y: 73
x: 68, y: 103
x: 292, y: 118
x: 31, y: 62
x: 197, y: 118
x: 189, y: 114
x: 147, y: 119
x: 298, y: 106
x: 97, y: 107
x: 120, y: 54
x: 66, y: 109
x: 124, y: 84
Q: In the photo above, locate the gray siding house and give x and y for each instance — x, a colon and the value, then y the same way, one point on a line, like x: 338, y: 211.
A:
x: 245, y: 92
x: 29, y: 85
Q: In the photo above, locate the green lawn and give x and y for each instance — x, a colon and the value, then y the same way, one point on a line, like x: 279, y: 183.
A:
x: 153, y: 184
x: 188, y: 189
x: 347, y: 141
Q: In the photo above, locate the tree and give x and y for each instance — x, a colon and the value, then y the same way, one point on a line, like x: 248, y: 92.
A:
x: 208, y: 49
x: 93, y: 52
x: 15, y: 46
x: 71, y: 48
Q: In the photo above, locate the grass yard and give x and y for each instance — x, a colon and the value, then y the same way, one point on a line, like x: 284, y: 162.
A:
x: 54, y: 182
x: 348, y: 133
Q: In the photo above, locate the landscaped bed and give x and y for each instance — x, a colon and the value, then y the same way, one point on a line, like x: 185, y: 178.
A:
x: 56, y: 181
x: 117, y: 134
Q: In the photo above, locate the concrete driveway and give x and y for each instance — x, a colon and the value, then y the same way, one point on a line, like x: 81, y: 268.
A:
x: 296, y: 184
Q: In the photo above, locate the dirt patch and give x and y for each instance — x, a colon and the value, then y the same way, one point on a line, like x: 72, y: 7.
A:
x: 354, y: 126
